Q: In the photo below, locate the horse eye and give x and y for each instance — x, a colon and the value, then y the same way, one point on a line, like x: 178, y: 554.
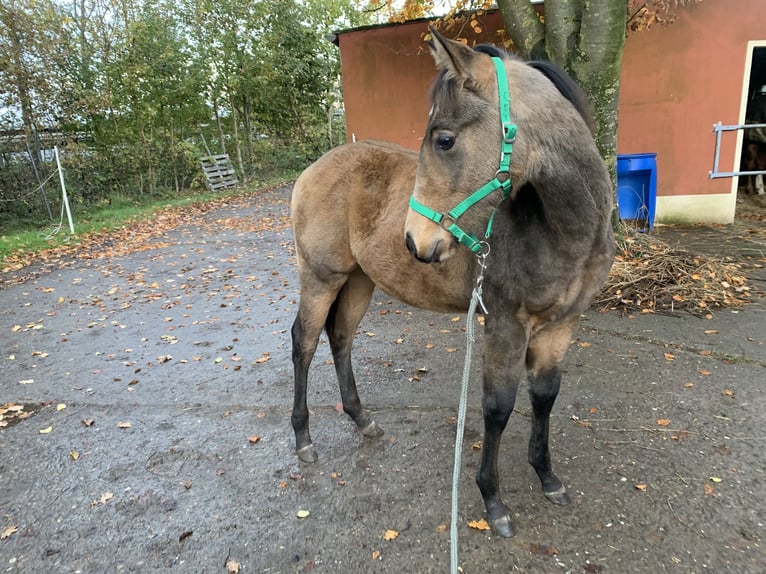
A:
x: 445, y: 142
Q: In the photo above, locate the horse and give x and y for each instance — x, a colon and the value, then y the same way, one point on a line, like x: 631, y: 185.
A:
x: 754, y: 159
x: 372, y: 214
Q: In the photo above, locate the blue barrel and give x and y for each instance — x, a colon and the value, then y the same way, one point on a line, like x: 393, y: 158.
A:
x: 637, y: 187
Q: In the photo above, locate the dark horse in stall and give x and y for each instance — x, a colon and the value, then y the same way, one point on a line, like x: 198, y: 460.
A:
x: 551, y: 241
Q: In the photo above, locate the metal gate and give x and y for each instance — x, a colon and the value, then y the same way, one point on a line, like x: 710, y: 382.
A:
x: 718, y: 129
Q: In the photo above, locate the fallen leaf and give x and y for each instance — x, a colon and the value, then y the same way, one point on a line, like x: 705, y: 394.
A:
x: 641, y: 487
x: 585, y: 344
x: 709, y: 489
x: 663, y: 422
x: 441, y: 528
x: 704, y: 372
x: 715, y: 479
x: 254, y: 438
x: 46, y: 430
x: 8, y: 531
x: 542, y: 550
x: 26, y: 381
x: 476, y: 445
x: 262, y: 359
x: 479, y: 524
x: 711, y: 332
x: 123, y: 425
x: 376, y: 555
x: 74, y: 455
x: 302, y: 514
x: 669, y: 356
x: 390, y: 535
x: 185, y: 535
x: 727, y: 393
x: 88, y: 422
x: 60, y: 407
x: 232, y: 567
x: 103, y: 499
x: 688, y: 385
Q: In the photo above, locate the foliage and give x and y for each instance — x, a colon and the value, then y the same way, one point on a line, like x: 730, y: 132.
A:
x: 135, y: 92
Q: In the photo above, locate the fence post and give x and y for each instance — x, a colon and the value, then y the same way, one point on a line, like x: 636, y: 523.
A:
x: 63, y: 190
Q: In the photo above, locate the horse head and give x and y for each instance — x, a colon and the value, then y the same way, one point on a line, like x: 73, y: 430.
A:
x: 457, y: 156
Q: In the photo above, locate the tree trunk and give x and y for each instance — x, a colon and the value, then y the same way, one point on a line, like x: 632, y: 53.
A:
x: 586, y: 38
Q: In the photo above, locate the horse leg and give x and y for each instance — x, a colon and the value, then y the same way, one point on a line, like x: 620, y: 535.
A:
x: 505, y: 346
x: 342, y: 321
x: 316, y: 299
x: 544, y: 356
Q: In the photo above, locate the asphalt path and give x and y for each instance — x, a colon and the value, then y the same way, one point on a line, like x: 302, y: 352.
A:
x: 147, y: 389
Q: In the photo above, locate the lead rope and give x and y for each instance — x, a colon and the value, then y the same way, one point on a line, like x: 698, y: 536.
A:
x: 475, y: 300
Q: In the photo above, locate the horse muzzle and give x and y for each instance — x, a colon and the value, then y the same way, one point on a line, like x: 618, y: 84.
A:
x: 433, y: 255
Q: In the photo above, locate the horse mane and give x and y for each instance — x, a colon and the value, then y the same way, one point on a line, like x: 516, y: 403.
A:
x: 558, y: 77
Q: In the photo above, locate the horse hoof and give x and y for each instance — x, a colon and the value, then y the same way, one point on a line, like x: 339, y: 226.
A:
x: 559, y: 497
x: 372, y: 429
x: 503, y: 526
x: 307, y: 453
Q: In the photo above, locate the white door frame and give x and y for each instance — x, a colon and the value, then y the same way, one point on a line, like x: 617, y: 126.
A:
x: 751, y: 46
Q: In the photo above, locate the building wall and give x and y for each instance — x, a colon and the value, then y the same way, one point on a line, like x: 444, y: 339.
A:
x: 677, y: 81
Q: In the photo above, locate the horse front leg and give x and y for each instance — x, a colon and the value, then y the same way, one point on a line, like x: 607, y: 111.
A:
x: 503, y: 368
x: 544, y: 356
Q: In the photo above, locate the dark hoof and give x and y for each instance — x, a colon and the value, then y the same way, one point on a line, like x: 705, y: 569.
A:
x: 503, y: 526
x: 307, y: 453
x: 559, y: 497
x: 372, y: 429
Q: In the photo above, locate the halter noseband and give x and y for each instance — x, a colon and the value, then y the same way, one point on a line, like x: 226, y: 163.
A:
x: 501, y: 181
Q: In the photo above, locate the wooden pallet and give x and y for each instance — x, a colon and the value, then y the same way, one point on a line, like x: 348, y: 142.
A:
x: 219, y: 171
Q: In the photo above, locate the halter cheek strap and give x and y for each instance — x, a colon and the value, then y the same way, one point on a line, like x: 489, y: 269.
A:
x: 501, y: 181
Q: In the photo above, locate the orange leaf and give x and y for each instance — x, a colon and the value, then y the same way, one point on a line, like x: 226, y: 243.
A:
x: 704, y: 372
x: 641, y: 487
x: 390, y: 535
x: 709, y: 489
x: 669, y: 356
x: 479, y: 524
x: 254, y: 438
x: 663, y: 422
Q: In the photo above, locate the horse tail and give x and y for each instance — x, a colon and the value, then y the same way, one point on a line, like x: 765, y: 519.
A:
x: 568, y: 88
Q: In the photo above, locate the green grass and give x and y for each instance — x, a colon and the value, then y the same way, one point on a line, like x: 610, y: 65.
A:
x: 29, y: 239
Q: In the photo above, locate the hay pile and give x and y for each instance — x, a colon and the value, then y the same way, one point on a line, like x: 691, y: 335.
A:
x: 648, y: 275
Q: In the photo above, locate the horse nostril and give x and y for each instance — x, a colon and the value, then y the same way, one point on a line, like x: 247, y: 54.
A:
x: 411, y: 245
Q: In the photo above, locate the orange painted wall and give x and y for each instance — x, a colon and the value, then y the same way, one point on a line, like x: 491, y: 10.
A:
x: 677, y: 81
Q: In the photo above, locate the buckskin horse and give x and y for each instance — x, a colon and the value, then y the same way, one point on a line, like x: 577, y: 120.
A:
x: 372, y: 214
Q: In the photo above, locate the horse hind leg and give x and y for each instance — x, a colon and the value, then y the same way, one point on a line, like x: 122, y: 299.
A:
x: 342, y: 321
x: 317, y: 297
x: 544, y: 356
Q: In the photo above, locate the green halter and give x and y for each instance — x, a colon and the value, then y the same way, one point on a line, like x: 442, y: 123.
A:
x: 501, y: 181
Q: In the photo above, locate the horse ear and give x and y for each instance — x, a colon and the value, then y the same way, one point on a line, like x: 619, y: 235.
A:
x: 455, y: 58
